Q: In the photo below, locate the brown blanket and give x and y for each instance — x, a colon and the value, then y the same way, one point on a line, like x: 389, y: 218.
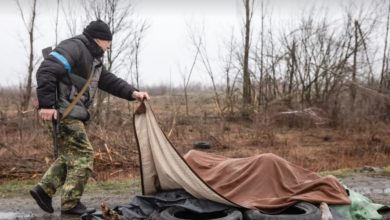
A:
x: 264, y: 182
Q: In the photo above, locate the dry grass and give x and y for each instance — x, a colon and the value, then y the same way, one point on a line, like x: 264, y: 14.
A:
x: 26, y: 152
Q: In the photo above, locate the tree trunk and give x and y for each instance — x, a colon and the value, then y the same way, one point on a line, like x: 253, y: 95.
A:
x: 354, y: 68
x: 383, y: 70
x: 246, y: 95
x: 262, y: 85
x: 292, y: 72
x: 30, y: 27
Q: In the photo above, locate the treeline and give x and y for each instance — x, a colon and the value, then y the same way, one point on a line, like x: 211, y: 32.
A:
x: 338, y: 62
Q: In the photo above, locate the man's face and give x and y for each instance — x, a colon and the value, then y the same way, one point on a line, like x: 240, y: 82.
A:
x: 104, y: 44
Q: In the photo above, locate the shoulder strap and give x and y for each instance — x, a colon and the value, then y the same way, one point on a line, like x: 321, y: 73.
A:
x: 75, y: 100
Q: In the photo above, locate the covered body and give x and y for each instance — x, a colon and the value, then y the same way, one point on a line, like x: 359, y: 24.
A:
x: 265, y: 182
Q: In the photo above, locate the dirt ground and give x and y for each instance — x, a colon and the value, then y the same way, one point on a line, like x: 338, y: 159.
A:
x: 375, y: 187
x: 26, y: 208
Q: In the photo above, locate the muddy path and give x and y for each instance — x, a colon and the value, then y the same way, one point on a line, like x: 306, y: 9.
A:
x: 376, y: 188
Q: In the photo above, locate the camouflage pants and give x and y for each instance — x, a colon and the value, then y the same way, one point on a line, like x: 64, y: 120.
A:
x: 73, y: 166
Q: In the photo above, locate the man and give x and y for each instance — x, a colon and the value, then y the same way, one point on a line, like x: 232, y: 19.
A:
x: 60, y: 77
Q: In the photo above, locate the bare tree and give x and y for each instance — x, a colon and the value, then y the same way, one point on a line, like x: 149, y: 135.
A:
x: 186, y: 78
x: 200, y: 45
x: 291, y: 63
x: 72, y: 22
x: 138, y: 37
x: 231, y: 81
x: 384, y: 58
x: 265, y: 60
x: 117, y: 14
x: 29, y: 24
x: 131, y: 57
x: 261, y: 65
x: 246, y: 87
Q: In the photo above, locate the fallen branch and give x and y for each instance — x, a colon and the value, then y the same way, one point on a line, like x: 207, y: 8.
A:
x: 108, y: 152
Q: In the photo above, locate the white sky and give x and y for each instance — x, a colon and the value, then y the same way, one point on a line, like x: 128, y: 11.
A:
x: 166, y: 45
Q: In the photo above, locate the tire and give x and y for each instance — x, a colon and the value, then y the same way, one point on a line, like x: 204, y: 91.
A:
x: 93, y: 216
x: 178, y: 213
x: 299, y: 211
x: 201, y: 145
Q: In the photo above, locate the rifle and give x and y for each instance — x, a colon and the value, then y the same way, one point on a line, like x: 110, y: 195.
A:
x: 56, y: 128
x: 55, y: 121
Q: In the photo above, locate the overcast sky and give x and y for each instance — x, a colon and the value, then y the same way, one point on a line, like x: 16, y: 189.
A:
x: 166, y: 45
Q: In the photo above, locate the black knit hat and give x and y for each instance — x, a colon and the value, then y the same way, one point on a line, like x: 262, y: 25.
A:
x: 98, y: 29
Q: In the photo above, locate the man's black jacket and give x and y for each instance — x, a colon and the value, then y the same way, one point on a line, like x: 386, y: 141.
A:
x: 78, y: 53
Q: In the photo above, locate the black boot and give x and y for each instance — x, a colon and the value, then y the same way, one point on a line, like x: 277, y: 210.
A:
x: 42, y: 199
x: 79, y: 209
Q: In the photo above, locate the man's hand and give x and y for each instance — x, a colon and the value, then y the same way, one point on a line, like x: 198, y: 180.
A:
x: 47, y: 114
x: 140, y: 96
